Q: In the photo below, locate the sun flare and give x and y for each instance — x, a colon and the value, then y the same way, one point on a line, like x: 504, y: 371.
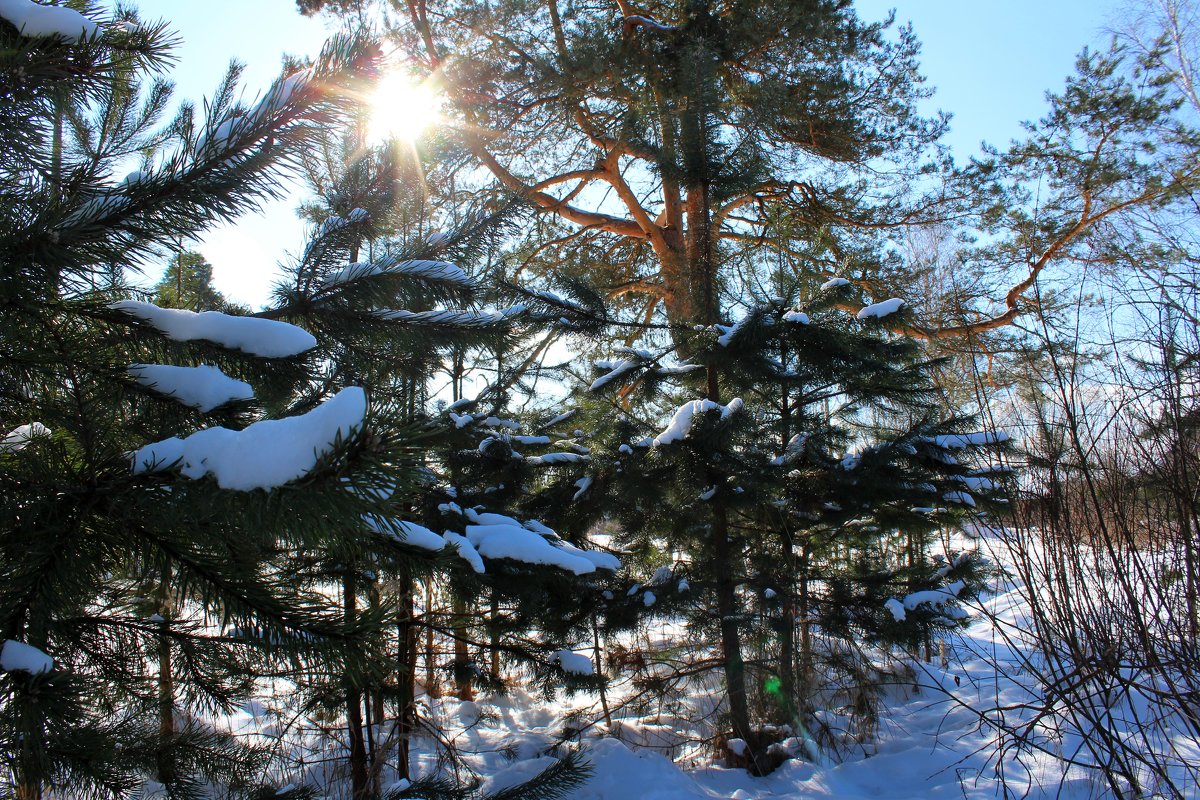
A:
x: 403, y: 108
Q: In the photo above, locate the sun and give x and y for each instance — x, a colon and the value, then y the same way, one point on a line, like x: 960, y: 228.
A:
x: 403, y: 108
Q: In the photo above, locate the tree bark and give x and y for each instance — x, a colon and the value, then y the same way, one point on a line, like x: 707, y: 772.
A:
x: 359, y: 774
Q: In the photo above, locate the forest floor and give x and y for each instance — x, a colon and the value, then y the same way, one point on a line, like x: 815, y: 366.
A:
x: 930, y: 740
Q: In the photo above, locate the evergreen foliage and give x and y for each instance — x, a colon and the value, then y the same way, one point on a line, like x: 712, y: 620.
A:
x: 153, y: 596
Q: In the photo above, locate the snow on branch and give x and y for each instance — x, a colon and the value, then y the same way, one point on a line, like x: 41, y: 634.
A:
x: 419, y: 268
x: 881, y: 309
x: 264, y: 455
x: 936, y: 598
x: 34, y: 20
x: 20, y: 657
x: 204, y: 387
x: 259, y: 337
x: 19, y: 437
x: 681, y: 423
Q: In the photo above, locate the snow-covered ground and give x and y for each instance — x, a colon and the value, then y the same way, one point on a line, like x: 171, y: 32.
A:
x: 930, y: 743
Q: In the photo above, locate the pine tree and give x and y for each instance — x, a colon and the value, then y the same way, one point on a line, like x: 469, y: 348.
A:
x: 187, y: 283
x: 91, y: 377
x: 808, y: 509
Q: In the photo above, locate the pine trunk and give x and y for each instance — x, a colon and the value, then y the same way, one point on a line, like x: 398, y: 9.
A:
x: 360, y: 787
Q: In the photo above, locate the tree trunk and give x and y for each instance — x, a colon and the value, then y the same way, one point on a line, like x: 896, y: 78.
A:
x: 464, y: 685
x: 359, y: 773
x: 407, y: 644
x: 433, y: 685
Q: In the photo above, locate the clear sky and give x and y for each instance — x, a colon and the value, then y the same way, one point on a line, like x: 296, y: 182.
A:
x: 991, y: 61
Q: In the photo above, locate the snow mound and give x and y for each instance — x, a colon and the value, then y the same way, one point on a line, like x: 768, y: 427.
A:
x: 264, y: 455
x: 19, y: 437
x: 681, y: 423
x: 204, y: 387
x: 519, y: 544
x: 267, y: 338
x: 574, y: 663
x: 33, y: 20
x: 20, y: 657
x: 881, y: 309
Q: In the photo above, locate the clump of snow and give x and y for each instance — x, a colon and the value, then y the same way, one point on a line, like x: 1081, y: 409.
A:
x: 419, y: 268
x: 897, y: 608
x: 267, y: 338
x: 615, y: 370
x: 204, y: 387
x: 731, y: 331
x: 736, y: 746
x: 798, y: 317
x: 515, y: 542
x: 582, y: 485
x: 409, y: 533
x: 794, y: 448
x: 556, y: 458
x: 20, y: 657
x: 833, y: 283
x: 563, y: 417
x: 681, y: 422
x: 938, y: 598
x: 19, y: 437
x: 963, y: 498
x: 649, y: 599
x: 959, y: 441
x: 449, y: 317
x: 573, y: 663
x: 264, y: 455
x: 33, y: 20
x: 881, y: 309
x: 465, y: 549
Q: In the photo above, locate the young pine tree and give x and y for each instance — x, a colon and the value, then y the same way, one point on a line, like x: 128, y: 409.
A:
x: 131, y: 595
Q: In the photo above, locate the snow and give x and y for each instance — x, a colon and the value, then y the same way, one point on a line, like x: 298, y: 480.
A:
x: 563, y: 417
x: 264, y: 455
x: 681, y: 422
x: 465, y: 549
x: 731, y: 331
x: 449, y: 317
x: 795, y: 447
x: 798, y: 317
x: 770, y: 594
x: 556, y: 458
x: 419, y: 268
x: 961, y: 498
x: 20, y: 657
x: 937, y: 598
x: 881, y: 309
x: 32, y: 20
x: 615, y: 370
x: 204, y: 387
x: 266, y: 338
x: 833, y: 283
x: 649, y: 599
x: 897, y: 608
x: 736, y: 746
x: 19, y: 437
x: 959, y: 441
x: 514, y: 542
x: 409, y: 533
x: 573, y: 663
x: 461, y: 420
x: 582, y: 485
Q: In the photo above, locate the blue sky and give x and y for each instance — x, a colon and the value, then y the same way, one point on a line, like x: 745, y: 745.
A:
x: 991, y: 61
